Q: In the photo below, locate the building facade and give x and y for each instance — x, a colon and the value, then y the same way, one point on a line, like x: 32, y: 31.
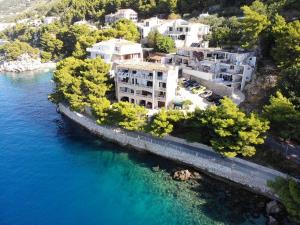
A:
x: 184, y: 33
x: 115, y: 51
x: 152, y: 85
x: 215, y: 66
x: 129, y: 14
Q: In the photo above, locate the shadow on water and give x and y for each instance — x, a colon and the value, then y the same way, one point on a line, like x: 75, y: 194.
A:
x: 223, y: 202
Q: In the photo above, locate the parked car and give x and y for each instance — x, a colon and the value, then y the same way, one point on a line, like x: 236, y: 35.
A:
x: 199, y: 90
x: 218, y: 99
x: 193, y: 84
x: 187, y: 83
x: 214, y: 98
x: 206, y: 94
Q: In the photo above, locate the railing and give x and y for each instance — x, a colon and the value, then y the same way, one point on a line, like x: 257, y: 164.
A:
x: 126, y: 92
x: 144, y: 96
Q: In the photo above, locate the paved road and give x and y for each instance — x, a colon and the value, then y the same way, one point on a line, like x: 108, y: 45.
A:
x: 238, y: 164
x: 234, y: 169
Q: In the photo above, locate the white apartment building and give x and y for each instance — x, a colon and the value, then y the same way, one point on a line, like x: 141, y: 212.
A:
x: 215, y: 66
x: 152, y: 85
x: 184, y: 33
x: 115, y: 51
x: 129, y: 14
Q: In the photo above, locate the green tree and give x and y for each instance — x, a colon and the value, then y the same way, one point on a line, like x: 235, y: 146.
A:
x: 80, y: 81
x: 15, y: 49
x: 254, y: 23
x: 128, y: 116
x: 49, y: 43
x: 127, y: 29
x: 100, y: 108
x: 70, y: 36
x: 286, y: 51
x: 165, y: 44
x: 289, y: 194
x: 160, y: 125
x: 232, y: 131
x: 284, y: 118
x: 289, y: 84
x: 46, y: 56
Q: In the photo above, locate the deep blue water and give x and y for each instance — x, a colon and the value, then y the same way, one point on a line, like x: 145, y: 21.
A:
x: 54, y: 173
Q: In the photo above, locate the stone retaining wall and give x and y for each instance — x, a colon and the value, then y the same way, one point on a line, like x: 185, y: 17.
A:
x: 199, y: 156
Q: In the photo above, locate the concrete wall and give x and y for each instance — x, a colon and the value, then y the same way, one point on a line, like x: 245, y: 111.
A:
x: 250, y: 175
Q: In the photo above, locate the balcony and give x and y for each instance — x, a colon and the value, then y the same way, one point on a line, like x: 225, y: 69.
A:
x: 126, y: 92
x: 144, y: 86
x: 160, y: 97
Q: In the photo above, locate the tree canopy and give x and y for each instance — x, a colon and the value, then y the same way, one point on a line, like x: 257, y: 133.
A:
x: 232, y: 131
x: 79, y: 82
x: 128, y: 116
x: 16, y: 49
x: 284, y: 117
x: 160, y: 42
x: 289, y: 194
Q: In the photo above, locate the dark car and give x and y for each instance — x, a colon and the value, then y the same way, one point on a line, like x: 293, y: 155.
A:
x: 189, y: 83
x: 218, y: 99
x: 214, y: 98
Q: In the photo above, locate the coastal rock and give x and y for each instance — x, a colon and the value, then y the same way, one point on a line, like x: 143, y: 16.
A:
x: 182, y: 175
x: 273, y: 208
x: 196, y: 175
x: 24, y: 63
x: 272, y: 221
x: 155, y: 168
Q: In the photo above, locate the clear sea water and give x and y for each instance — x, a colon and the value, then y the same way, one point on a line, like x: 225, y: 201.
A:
x: 54, y: 173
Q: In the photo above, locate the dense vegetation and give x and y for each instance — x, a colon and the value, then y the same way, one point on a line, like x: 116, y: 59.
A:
x: 284, y: 117
x: 161, y: 43
x: 289, y: 194
x: 13, y: 50
x: 80, y: 83
x: 58, y: 40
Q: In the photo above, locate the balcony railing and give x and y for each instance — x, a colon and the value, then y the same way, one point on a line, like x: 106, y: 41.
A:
x: 126, y: 92
x: 144, y: 96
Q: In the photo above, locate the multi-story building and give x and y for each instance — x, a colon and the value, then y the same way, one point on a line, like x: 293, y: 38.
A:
x: 215, y: 68
x: 115, y: 51
x: 184, y: 33
x: 152, y: 85
x: 129, y: 14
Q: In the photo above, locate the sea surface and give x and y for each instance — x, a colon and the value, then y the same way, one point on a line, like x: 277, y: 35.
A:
x: 54, y: 173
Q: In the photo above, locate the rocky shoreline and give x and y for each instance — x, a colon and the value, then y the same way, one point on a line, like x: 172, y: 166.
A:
x: 23, y: 64
x: 273, y: 210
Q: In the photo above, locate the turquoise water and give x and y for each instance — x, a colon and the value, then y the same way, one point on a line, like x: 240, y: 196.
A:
x: 54, y: 173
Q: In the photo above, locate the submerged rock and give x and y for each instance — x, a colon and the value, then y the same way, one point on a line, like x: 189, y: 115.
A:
x: 196, y: 175
x: 273, y: 208
x: 155, y: 168
x: 182, y: 175
x: 272, y: 221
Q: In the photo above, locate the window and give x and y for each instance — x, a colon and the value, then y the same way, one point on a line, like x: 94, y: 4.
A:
x: 232, y: 67
x: 147, y: 24
x: 170, y: 28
